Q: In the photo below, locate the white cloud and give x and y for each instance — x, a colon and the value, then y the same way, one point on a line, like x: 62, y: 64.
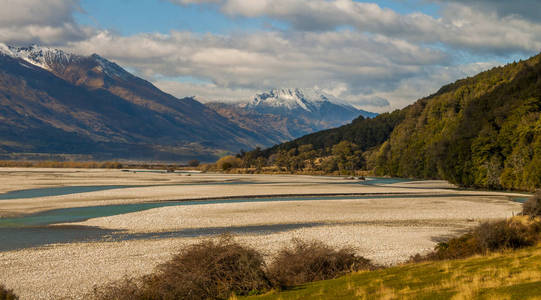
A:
x: 470, y: 25
x: 367, y: 55
x: 38, y: 12
x: 206, y: 92
x: 187, y: 2
x: 264, y: 60
x: 37, y: 21
x: 529, y: 9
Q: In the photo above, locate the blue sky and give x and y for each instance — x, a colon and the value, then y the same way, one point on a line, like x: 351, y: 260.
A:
x: 378, y: 55
x: 129, y: 17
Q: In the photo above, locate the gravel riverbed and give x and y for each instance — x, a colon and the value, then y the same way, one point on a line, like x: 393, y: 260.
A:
x: 386, y: 230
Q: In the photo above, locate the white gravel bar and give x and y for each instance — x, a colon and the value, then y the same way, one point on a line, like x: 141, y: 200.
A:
x: 386, y: 230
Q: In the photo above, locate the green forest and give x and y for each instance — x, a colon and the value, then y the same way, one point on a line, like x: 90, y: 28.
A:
x: 482, y: 131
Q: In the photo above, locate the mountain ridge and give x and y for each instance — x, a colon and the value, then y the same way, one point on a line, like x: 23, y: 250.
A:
x: 82, y: 101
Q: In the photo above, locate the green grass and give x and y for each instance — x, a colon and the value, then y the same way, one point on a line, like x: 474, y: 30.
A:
x: 508, y: 275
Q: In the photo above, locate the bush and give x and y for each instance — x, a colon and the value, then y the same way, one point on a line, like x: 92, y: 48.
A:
x: 193, y: 163
x: 207, y: 270
x: 514, y: 233
x: 126, y: 289
x: 228, y: 162
x: 310, y: 261
x: 6, y: 294
x: 508, y: 234
x: 532, y: 207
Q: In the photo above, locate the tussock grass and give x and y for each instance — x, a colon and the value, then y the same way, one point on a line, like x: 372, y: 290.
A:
x: 496, y: 260
x: 507, y: 275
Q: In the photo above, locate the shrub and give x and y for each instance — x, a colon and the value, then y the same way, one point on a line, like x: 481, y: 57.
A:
x: 532, y: 207
x: 227, y: 162
x: 207, y: 270
x: 226, y: 166
x: 514, y: 233
x: 508, y: 234
x: 126, y: 289
x: 6, y: 294
x: 193, y: 163
x: 310, y: 261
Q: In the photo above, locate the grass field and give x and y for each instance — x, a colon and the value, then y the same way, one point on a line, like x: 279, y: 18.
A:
x: 508, y: 275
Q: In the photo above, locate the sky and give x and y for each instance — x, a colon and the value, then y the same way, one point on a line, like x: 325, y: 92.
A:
x: 378, y: 55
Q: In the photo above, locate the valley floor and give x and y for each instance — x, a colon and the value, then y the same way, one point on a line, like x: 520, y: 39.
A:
x: 385, y: 222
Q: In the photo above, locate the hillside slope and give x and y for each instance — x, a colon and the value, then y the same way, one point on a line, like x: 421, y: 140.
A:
x: 510, y: 275
x: 364, y: 132
x: 483, y: 131
x: 55, y: 102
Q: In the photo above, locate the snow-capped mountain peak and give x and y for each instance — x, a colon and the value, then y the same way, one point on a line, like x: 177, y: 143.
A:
x: 57, y: 60
x: 42, y: 57
x: 309, y: 100
x: 285, y: 98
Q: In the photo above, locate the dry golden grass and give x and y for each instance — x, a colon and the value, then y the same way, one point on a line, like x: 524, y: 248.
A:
x: 505, y: 275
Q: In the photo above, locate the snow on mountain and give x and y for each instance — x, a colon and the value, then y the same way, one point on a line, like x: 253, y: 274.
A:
x: 309, y: 101
x: 42, y: 57
x: 283, y: 98
x: 286, y: 114
x: 57, y: 60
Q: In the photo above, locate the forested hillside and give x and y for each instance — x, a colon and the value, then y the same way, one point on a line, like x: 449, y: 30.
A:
x: 483, y: 131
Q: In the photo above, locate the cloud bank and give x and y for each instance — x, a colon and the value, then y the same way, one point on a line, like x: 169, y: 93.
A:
x: 368, y: 55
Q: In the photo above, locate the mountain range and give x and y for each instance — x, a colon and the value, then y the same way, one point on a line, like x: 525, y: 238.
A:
x: 285, y: 114
x: 54, y: 102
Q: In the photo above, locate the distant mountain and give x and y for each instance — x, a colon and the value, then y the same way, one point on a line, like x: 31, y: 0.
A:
x: 55, y: 102
x: 305, y: 101
x: 285, y: 114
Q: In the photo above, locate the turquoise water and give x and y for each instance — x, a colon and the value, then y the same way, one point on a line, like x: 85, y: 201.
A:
x: 382, y: 180
x: 68, y: 190
x: 35, y: 230
x: 519, y: 199
x: 78, y: 214
x: 58, y: 191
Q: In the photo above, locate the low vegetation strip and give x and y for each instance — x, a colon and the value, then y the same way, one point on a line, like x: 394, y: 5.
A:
x: 218, y: 269
x: 507, y: 275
